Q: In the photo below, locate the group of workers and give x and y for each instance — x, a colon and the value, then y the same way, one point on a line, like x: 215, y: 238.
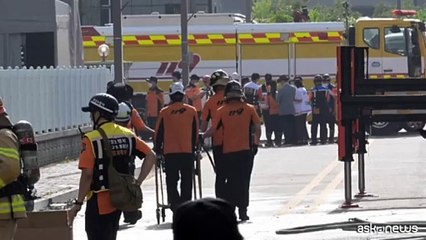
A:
x: 285, y: 103
x: 234, y: 112
x: 179, y: 128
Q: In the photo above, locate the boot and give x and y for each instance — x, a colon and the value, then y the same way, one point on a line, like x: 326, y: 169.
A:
x: 242, y: 213
x: 269, y: 144
x: 132, y: 217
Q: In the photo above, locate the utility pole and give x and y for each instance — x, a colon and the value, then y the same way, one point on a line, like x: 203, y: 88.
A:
x: 118, y: 43
x: 247, y: 9
x: 346, y: 7
x: 398, y: 4
x: 184, y: 37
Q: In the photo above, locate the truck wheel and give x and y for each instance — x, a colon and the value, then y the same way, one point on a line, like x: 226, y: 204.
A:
x: 413, y: 126
x: 385, y: 128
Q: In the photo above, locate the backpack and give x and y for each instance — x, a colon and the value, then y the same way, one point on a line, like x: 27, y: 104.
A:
x: 30, y: 171
x: 251, y: 96
x: 125, y: 193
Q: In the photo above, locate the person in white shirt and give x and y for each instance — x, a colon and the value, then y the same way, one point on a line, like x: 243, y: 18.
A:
x: 207, y: 89
x: 302, y: 107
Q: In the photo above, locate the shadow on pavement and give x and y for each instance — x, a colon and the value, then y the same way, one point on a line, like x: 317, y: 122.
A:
x: 125, y: 226
x: 361, y: 209
x: 164, y: 226
x: 377, y: 199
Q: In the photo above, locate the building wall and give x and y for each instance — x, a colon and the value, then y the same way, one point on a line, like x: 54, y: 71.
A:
x: 96, y: 12
x: 35, y: 17
x: 162, y: 6
x: 91, y: 9
x: 235, y: 6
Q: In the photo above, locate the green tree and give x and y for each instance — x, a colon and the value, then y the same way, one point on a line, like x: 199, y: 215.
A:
x: 383, y: 10
x: 421, y: 14
x: 262, y: 11
x: 274, y: 10
x: 282, y: 11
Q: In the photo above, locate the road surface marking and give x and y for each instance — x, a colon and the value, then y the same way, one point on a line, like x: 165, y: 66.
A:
x: 328, y: 190
x: 301, y: 195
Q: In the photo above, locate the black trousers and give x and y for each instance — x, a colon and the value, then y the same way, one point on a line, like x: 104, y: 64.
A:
x: 275, y: 121
x: 152, y: 121
x: 331, y: 125
x: 220, y: 187
x: 179, y: 166
x: 288, y: 128
x: 321, y: 120
x: 301, y: 130
x: 100, y: 226
x: 268, y: 125
x: 238, y: 169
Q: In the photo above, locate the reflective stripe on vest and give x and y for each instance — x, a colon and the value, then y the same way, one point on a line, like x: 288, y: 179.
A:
x: 11, y: 153
x: 18, y: 207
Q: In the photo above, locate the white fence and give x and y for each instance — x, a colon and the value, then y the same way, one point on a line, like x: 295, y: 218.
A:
x: 51, y: 98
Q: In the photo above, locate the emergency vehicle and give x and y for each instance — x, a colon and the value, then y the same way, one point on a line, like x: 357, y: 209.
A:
x: 152, y: 45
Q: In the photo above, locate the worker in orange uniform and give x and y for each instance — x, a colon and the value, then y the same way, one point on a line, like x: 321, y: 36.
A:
x: 176, y: 138
x: 154, y: 101
x: 240, y: 125
x: 101, y: 217
x: 218, y: 81
x: 124, y: 93
x: 193, y: 94
x: 274, y: 115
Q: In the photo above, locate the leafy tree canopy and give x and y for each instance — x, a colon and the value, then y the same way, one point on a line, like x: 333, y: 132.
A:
x: 283, y: 11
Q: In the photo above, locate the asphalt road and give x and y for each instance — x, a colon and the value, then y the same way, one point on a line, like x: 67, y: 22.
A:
x: 303, y: 185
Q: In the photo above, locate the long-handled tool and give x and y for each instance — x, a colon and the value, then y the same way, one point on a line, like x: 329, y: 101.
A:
x: 159, y: 192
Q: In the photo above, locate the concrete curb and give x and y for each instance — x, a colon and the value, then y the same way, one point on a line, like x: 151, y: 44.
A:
x: 63, y: 197
x: 68, y: 195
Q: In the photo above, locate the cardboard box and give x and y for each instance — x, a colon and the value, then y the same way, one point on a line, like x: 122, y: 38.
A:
x: 44, y: 225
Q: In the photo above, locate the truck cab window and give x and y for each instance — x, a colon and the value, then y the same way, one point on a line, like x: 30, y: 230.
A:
x: 372, y: 37
x: 395, y: 41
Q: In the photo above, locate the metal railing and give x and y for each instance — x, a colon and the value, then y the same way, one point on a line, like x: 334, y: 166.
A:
x: 51, y: 98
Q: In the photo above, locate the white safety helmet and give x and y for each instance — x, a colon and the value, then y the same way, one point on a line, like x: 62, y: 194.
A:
x: 235, y: 76
x: 124, y: 113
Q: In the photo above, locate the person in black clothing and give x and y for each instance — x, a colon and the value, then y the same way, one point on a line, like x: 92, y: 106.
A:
x: 266, y: 87
x: 319, y: 99
x: 331, y: 119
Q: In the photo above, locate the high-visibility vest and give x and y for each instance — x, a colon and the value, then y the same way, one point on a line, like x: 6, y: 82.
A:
x: 122, y: 141
x: 12, y: 204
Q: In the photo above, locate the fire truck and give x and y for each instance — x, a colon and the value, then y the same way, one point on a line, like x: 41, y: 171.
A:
x: 152, y: 45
